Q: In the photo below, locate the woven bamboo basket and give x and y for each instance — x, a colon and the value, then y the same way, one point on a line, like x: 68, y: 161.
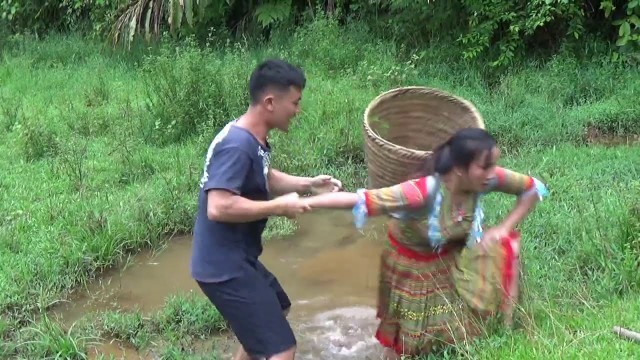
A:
x: 403, y: 126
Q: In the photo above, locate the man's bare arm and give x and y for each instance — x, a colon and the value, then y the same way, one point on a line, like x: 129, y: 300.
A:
x: 282, y: 183
x: 225, y: 206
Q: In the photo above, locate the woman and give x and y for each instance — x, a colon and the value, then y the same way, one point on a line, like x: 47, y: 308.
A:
x: 440, y: 273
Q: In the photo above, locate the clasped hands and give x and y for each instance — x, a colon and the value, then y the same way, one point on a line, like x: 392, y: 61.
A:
x: 293, y: 205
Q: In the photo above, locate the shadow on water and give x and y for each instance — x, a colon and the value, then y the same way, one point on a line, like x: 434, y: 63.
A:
x: 328, y: 268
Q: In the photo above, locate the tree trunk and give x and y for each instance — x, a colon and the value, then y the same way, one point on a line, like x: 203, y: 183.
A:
x: 331, y: 6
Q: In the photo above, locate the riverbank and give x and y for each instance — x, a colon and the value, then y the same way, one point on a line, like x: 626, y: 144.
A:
x: 92, y: 174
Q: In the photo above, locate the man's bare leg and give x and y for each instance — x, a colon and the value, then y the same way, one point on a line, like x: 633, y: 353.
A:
x: 285, y: 355
x: 242, y: 355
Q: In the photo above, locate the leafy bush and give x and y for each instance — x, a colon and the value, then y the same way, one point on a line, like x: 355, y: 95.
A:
x: 37, y: 141
x: 503, y: 30
x: 188, y: 89
x: 500, y: 30
x: 42, y: 16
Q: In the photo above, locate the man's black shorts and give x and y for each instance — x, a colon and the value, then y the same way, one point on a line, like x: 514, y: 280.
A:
x: 253, y: 304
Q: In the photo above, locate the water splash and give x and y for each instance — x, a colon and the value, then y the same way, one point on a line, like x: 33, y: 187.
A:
x: 342, y: 333
x: 328, y: 268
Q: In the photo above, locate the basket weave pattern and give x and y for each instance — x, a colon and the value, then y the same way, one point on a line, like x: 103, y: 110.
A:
x: 403, y: 126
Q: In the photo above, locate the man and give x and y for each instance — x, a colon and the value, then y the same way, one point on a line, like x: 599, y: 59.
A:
x: 235, y: 200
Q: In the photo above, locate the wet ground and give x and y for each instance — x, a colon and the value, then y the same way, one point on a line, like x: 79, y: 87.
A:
x: 328, y: 268
x: 595, y: 136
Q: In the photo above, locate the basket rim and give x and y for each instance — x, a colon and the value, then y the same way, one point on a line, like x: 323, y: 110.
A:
x: 474, y: 111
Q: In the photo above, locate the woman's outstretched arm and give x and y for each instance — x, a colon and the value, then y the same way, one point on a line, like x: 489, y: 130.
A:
x: 365, y: 203
x: 404, y: 196
x: 336, y: 200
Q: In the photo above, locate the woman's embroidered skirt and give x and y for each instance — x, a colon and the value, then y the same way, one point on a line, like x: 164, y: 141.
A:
x: 433, y: 299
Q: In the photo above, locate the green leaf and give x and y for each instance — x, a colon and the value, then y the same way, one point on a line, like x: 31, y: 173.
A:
x: 607, y: 6
x: 625, y: 29
x: 175, y: 15
x: 132, y: 28
x: 634, y: 20
x: 147, y: 21
x: 202, y: 8
x: 188, y: 11
x: 171, y: 11
x: 272, y: 12
x: 622, y: 41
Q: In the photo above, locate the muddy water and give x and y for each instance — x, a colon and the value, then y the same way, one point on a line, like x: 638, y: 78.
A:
x: 328, y: 268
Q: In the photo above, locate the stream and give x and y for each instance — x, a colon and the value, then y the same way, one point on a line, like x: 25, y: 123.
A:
x: 328, y: 268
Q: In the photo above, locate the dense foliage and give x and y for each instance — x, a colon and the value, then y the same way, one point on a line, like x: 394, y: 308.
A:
x: 500, y: 29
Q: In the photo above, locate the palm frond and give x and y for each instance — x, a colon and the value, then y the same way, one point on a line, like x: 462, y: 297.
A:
x: 146, y: 17
x: 139, y: 17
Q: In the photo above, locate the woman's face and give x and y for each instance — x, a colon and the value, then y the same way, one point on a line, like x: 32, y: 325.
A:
x: 477, y: 176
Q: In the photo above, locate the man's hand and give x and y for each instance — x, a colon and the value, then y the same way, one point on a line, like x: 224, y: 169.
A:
x: 324, y: 184
x: 281, y: 183
x: 290, y: 205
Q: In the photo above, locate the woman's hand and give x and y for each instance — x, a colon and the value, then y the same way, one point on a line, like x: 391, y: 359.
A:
x: 493, y: 234
x: 324, y: 184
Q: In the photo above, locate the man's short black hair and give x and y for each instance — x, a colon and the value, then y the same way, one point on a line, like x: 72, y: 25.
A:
x: 274, y: 73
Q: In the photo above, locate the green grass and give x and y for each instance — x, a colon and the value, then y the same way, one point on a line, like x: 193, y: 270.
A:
x: 92, y: 173
x: 184, y: 321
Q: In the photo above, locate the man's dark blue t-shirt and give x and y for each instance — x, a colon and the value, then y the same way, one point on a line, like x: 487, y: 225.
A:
x: 236, y: 161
